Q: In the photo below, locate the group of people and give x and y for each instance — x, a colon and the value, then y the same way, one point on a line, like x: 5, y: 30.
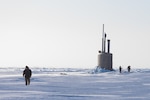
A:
x: 128, y: 68
x: 27, y: 73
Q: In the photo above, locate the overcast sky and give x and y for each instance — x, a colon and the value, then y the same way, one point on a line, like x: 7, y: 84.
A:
x: 67, y: 33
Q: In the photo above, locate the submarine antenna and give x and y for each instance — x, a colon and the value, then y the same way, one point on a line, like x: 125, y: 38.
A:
x: 103, y: 39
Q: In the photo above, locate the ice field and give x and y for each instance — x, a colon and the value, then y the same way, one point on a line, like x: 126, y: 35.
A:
x: 74, y: 84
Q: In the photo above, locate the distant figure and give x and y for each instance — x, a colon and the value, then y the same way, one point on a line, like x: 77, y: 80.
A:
x: 129, y: 68
x: 27, y: 74
x: 120, y: 69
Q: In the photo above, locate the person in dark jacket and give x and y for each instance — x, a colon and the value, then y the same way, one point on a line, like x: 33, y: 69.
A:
x: 27, y: 74
x: 129, y: 68
x: 120, y: 69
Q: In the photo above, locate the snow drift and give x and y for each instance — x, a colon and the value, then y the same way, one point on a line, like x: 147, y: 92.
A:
x: 75, y: 84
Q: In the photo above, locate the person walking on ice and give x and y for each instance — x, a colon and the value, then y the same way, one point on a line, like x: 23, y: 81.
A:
x: 27, y: 73
x: 120, y: 69
x: 129, y: 68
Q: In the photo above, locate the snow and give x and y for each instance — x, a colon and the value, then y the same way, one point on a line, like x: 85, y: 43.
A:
x: 75, y: 84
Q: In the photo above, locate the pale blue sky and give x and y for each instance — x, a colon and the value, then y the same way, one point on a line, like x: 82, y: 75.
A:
x: 67, y: 33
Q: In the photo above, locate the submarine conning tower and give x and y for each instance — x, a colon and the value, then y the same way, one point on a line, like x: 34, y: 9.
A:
x: 105, y: 58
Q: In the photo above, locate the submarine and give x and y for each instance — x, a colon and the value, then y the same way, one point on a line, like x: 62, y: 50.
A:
x: 105, y: 58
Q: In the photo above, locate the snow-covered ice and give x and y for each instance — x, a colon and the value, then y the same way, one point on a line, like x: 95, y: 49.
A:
x: 74, y: 84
